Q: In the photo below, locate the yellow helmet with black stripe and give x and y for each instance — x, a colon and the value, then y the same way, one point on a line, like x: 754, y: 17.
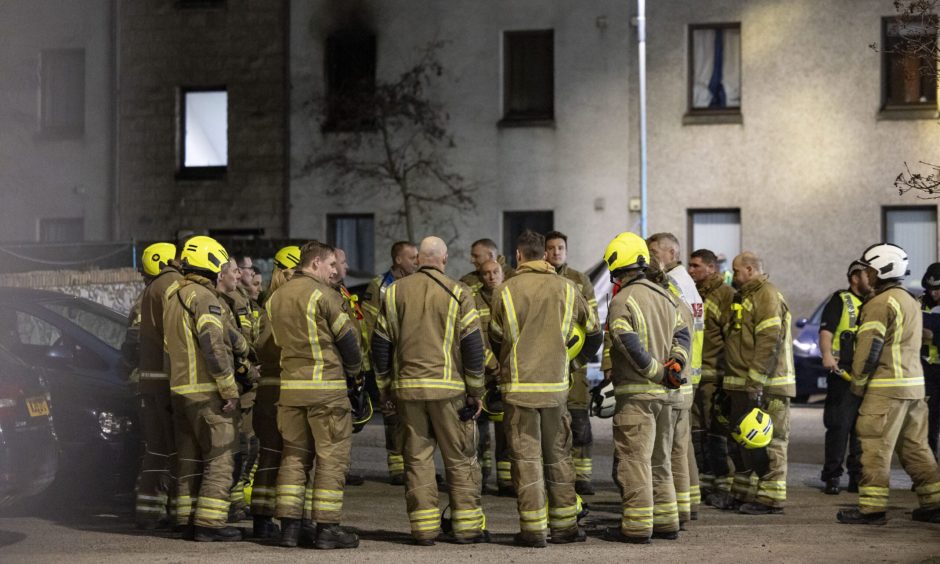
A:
x: 288, y: 257
x: 203, y: 253
x: 156, y: 256
x: 625, y: 251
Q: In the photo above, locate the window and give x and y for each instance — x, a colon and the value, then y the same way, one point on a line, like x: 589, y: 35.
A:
x: 718, y: 231
x: 350, y: 80
x: 204, y: 123
x: 909, y: 64
x: 914, y: 229
x: 715, y: 68
x: 62, y: 92
x: 30, y: 330
x: 61, y: 229
x: 90, y: 317
x: 514, y: 223
x: 529, y: 76
x: 355, y: 234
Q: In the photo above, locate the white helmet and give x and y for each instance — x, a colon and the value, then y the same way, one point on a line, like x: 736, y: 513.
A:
x: 889, y: 260
x: 603, y: 403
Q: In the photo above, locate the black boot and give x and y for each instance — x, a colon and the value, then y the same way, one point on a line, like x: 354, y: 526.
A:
x: 832, y: 486
x: 575, y: 535
x: 264, y: 528
x: 290, y: 532
x: 505, y: 490
x: 853, y: 485
x: 308, y: 533
x: 186, y: 532
x: 583, y: 487
x: 223, y: 534
x: 926, y: 515
x: 616, y: 535
x: 666, y: 535
x: 856, y: 517
x: 530, y: 541
x: 757, y: 508
x: 355, y: 480
x: 329, y: 535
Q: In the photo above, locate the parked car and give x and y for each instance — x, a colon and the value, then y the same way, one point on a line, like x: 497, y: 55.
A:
x: 77, y: 343
x: 28, y: 449
x: 807, y: 359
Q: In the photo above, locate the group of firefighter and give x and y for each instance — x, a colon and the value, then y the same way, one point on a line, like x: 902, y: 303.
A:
x: 240, y: 388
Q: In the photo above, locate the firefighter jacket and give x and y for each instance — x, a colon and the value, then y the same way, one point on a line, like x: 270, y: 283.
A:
x: 759, y: 342
x: 483, y: 298
x: 887, y: 348
x: 358, y: 319
x: 372, y: 303
x: 200, y: 346
x: 475, y: 281
x: 319, y: 345
x: 645, y: 329
x: 240, y: 304
x: 717, y: 297
x: 269, y: 354
x: 682, y: 397
x: 154, y: 364
x: 533, y: 315
x: 929, y: 352
x: 428, y: 344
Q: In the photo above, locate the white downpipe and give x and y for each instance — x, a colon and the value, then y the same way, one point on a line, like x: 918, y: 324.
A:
x: 641, y: 51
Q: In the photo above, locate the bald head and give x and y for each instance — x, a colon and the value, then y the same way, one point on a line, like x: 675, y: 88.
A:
x: 432, y: 252
x: 747, y: 266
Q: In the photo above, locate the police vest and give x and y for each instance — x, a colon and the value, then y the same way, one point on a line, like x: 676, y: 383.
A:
x: 849, y: 320
x: 929, y: 350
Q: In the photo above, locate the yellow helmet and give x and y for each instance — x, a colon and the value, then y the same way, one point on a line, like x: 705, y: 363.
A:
x: 287, y: 257
x: 156, y: 256
x: 492, y: 401
x: 204, y: 253
x: 754, y: 430
x: 575, y: 342
x: 627, y: 250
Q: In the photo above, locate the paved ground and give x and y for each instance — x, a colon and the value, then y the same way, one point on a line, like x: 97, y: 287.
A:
x: 98, y: 531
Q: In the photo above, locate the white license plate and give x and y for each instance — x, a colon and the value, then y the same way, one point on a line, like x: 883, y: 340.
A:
x: 821, y: 382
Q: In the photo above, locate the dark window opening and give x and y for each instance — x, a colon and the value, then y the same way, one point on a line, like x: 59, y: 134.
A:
x: 355, y: 234
x: 514, y: 223
x: 529, y: 76
x: 350, y: 81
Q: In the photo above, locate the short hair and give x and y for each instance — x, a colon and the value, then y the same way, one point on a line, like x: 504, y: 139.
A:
x: 657, y: 237
x: 255, y: 269
x: 398, y: 246
x: 313, y: 250
x: 556, y: 235
x: 240, y: 258
x: 707, y: 256
x: 748, y: 258
x: 488, y: 243
x: 531, y: 245
x: 227, y: 265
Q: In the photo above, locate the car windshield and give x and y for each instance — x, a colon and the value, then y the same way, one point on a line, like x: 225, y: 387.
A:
x: 97, y: 320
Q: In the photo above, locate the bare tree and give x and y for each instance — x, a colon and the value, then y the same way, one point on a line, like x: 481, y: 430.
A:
x: 390, y: 140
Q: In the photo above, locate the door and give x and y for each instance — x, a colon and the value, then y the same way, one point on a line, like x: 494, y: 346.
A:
x: 515, y: 222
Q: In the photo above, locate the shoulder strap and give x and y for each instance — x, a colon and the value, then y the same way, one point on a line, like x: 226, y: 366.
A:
x: 439, y: 283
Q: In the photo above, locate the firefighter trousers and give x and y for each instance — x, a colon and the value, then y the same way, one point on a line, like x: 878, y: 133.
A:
x: 318, y: 436
x: 155, y: 481
x: 679, y: 462
x: 710, y: 442
x: 581, y: 437
x: 643, y: 437
x: 540, y: 451
x: 886, y: 425
x: 424, y: 424
x: 761, y: 474
x: 393, y: 444
x: 270, y: 445
x: 206, y: 439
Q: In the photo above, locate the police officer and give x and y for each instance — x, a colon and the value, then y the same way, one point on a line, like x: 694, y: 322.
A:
x: 204, y: 394
x: 404, y: 262
x: 709, y: 435
x: 154, y: 482
x: 429, y: 330
x: 930, y: 356
x: 836, y: 334
x: 481, y: 251
x: 319, y: 353
x: 650, y: 345
x: 530, y: 326
x: 759, y: 355
x: 886, y: 373
x: 556, y: 253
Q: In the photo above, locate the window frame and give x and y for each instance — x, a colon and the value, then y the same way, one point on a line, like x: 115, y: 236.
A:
x: 333, y: 123
x: 695, y: 116
x: 928, y: 110
x: 331, y: 220
x: 47, y: 130
x: 515, y: 119
x: 184, y: 172
x: 690, y: 227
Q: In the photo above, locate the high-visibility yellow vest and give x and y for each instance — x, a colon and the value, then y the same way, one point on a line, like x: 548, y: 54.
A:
x: 929, y: 350
x: 849, y: 320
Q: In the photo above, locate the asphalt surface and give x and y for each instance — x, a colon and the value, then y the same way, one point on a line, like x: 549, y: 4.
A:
x: 101, y: 530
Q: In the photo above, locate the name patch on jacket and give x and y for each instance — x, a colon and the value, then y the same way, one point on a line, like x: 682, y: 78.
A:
x: 215, y: 309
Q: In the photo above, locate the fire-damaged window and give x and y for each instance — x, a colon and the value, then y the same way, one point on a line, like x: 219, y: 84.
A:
x: 350, y: 80
x: 528, y: 76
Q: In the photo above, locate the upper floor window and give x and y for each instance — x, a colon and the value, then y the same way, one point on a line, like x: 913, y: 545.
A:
x: 350, y: 80
x: 715, y: 68
x: 529, y: 76
x: 204, y: 149
x: 909, y: 64
x: 62, y: 92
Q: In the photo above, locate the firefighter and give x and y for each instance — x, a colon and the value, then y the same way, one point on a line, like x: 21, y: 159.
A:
x: 759, y: 356
x: 649, y: 348
x: 319, y: 353
x: 404, y: 262
x: 556, y: 253
x: 481, y: 251
x: 930, y: 356
x: 664, y: 251
x: 709, y: 435
x: 492, y: 274
x: 887, y: 375
x: 429, y: 330
x: 531, y: 323
x: 204, y: 394
x: 836, y: 341
x: 154, y: 482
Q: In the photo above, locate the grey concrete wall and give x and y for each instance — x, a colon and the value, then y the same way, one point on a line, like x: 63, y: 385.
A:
x: 49, y: 176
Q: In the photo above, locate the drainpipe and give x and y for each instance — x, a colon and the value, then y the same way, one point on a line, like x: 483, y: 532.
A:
x: 641, y: 51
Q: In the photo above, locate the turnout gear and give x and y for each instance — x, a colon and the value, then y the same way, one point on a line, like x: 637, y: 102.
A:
x: 492, y: 405
x: 156, y: 257
x: 889, y: 260
x: 361, y: 406
x: 575, y: 342
x: 754, y: 430
x: 201, y: 348
x: 602, y: 400
x: 204, y: 254
x: 287, y: 257
x: 428, y: 354
x: 530, y: 324
x: 319, y: 351
x: 264, y: 421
